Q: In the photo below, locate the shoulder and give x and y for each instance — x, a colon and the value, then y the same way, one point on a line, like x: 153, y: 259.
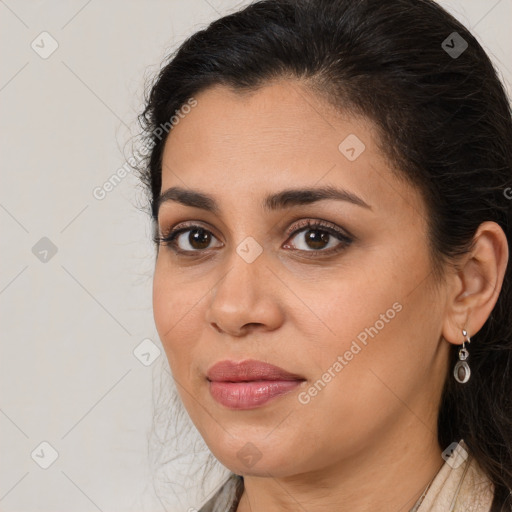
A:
x: 226, y: 498
x: 460, y: 485
x: 477, y: 490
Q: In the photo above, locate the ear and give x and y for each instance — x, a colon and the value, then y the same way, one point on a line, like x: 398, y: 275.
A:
x: 476, y: 285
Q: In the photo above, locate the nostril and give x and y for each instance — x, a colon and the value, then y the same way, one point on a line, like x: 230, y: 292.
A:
x: 251, y: 325
x: 240, y: 332
x: 216, y: 327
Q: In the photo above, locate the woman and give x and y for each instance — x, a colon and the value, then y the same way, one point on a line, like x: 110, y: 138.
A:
x: 332, y: 213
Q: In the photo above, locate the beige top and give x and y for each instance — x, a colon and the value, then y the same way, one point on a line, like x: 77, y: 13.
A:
x: 459, y: 486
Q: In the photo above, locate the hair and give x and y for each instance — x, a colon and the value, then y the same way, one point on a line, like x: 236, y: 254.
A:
x: 444, y: 122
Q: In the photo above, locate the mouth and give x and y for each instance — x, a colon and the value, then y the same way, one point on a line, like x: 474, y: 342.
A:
x: 249, y: 384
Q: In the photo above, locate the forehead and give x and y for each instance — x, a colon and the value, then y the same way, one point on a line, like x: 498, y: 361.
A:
x: 278, y: 136
x: 279, y: 121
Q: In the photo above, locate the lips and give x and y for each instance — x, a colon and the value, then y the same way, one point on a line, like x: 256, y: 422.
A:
x: 249, y: 384
x: 249, y: 370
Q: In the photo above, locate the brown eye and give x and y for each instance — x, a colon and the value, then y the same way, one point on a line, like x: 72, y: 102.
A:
x: 318, y: 238
x: 190, y: 239
x: 198, y: 238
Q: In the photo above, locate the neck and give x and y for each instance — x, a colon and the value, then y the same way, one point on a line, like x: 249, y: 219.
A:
x: 383, y: 476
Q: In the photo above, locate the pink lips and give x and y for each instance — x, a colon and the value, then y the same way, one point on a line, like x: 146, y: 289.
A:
x: 249, y: 384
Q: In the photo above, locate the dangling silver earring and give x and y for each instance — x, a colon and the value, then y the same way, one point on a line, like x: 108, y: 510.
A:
x: 461, y: 372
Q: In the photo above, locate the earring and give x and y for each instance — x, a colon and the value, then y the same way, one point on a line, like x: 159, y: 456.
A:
x: 461, y: 372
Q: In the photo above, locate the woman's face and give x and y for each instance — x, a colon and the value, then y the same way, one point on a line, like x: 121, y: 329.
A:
x: 347, y: 307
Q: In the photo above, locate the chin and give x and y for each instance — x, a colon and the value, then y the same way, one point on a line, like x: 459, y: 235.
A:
x: 255, y: 457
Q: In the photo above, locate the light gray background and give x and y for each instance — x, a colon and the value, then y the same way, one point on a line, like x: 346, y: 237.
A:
x: 68, y: 373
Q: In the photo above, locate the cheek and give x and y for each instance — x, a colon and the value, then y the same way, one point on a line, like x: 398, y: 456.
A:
x: 176, y: 306
x: 350, y: 305
x: 165, y: 300
x: 368, y: 325
x: 381, y: 338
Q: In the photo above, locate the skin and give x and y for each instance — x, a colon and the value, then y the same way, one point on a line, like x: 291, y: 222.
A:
x: 368, y: 439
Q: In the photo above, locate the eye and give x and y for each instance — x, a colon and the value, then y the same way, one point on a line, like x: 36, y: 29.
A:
x: 323, y: 237
x: 187, y: 239
x: 313, y: 236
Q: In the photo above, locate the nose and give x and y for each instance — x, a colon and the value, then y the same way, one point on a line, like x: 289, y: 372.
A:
x: 245, y: 299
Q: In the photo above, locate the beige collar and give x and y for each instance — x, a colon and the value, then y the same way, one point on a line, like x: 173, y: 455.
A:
x: 460, y: 486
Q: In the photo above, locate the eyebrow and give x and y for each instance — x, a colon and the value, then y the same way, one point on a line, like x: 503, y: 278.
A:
x: 278, y: 201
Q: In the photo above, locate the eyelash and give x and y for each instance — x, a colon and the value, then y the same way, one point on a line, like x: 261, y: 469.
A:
x: 169, y: 237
